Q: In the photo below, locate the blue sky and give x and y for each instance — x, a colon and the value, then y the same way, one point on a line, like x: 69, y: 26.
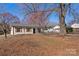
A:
x: 11, y: 8
x: 15, y: 10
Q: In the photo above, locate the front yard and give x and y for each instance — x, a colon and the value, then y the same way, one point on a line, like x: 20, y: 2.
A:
x: 39, y: 45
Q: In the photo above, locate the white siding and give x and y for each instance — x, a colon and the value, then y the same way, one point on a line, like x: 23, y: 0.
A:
x: 24, y: 31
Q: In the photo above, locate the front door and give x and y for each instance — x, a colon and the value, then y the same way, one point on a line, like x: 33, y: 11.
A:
x: 33, y: 30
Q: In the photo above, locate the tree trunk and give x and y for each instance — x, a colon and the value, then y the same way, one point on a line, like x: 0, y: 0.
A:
x: 62, y: 19
x: 5, y: 33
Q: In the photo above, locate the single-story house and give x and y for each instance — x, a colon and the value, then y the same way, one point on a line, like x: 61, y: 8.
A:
x: 75, y: 27
x: 24, y: 29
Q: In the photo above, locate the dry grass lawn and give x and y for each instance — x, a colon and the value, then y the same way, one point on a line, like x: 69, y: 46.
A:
x: 39, y: 45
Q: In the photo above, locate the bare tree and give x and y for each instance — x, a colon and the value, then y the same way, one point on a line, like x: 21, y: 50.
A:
x: 38, y: 18
x: 37, y: 14
x: 62, y: 19
x: 62, y: 15
x: 5, y: 20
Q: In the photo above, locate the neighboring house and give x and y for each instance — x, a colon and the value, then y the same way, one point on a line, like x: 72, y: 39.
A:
x: 56, y: 28
x: 48, y: 30
x: 75, y: 27
x: 53, y: 29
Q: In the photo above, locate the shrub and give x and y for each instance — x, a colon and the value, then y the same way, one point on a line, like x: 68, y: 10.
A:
x: 69, y: 29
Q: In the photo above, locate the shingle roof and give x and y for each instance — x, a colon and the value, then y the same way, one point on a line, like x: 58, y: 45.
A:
x: 25, y: 25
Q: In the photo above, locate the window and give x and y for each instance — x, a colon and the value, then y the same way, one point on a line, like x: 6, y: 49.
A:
x: 18, y: 29
x: 28, y: 29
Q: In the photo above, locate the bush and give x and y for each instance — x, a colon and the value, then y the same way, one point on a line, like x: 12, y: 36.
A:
x: 69, y: 29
